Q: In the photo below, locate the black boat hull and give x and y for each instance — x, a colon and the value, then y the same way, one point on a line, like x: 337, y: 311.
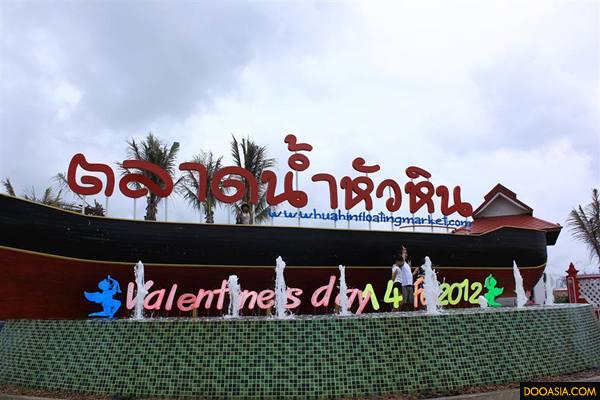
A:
x: 48, y: 253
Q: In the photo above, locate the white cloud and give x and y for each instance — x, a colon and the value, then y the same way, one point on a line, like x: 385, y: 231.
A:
x: 475, y: 93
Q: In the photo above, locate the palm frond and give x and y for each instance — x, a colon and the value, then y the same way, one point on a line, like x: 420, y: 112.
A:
x: 171, y: 157
x: 57, y: 198
x: 190, y: 185
x: 235, y: 152
x: 595, y: 207
x: 191, y: 196
x: 252, y: 157
x: 8, y: 187
x: 62, y: 184
x: 584, y: 224
x: 154, y: 151
x: 30, y: 195
x: 261, y: 210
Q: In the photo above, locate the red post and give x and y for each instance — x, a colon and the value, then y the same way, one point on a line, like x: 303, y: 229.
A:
x: 573, y: 285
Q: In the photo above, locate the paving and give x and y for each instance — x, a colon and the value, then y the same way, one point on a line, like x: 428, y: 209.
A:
x: 508, y: 394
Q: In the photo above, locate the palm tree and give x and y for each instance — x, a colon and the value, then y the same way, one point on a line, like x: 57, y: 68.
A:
x: 155, y: 152
x: 8, y: 187
x: 252, y: 157
x: 50, y: 197
x: 584, y: 224
x: 191, y: 185
x: 63, y: 184
x: 97, y: 209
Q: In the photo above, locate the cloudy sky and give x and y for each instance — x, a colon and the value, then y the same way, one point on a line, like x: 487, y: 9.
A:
x: 477, y: 93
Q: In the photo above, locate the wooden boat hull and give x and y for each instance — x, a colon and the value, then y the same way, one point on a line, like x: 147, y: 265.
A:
x: 48, y: 257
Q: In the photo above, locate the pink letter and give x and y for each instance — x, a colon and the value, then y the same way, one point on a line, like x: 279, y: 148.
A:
x: 265, y: 299
x: 130, y: 298
x: 157, y: 296
x: 221, y: 293
x: 201, y: 294
x: 351, y: 295
x: 362, y: 302
x: 248, y: 294
x: 186, y: 302
x: 295, y: 300
x: 326, y: 291
x: 169, y: 304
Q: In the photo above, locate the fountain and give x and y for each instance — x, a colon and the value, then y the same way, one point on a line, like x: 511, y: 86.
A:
x: 549, y: 290
x: 432, y: 289
x: 234, y: 296
x: 343, y: 292
x: 521, y: 297
x: 280, y: 289
x: 141, y: 291
x: 482, y: 302
x: 200, y: 350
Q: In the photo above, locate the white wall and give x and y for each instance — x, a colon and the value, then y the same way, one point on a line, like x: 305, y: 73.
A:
x: 501, y: 206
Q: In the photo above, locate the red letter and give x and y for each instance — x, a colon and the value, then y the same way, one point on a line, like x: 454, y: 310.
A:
x: 296, y: 198
x: 359, y: 165
x: 420, y: 194
x: 463, y: 208
x: 297, y: 162
x: 145, y: 179
x: 190, y: 166
x: 95, y: 184
x: 416, y: 172
x: 362, y: 193
x: 248, y: 182
x: 353, y: 185
x: 330, y: 179
x: 393, y: 203
x: 294, y: 146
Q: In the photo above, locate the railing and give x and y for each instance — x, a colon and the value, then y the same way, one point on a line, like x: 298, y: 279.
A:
x: 583, y: 288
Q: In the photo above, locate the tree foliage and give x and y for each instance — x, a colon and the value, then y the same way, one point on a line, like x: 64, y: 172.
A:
x: 50, y: 196
x: 8, y: 187
x: 584, y: 224
x: 254, y: 158
x: 190, y: 185
x: 153, y: 150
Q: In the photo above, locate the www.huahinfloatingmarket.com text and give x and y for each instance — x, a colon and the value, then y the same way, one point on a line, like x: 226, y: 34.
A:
x: 380, y: 217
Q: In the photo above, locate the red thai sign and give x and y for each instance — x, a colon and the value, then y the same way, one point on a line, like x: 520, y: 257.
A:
x: 356, y: 190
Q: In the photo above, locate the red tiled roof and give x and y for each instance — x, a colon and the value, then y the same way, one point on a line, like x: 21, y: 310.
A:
x: 482, y: 225
x: 524, y: 220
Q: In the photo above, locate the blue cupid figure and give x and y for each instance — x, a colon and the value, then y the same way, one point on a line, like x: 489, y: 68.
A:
x: 109, y: 287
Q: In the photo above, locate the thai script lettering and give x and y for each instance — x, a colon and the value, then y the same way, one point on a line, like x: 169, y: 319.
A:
x: 229, y: 184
